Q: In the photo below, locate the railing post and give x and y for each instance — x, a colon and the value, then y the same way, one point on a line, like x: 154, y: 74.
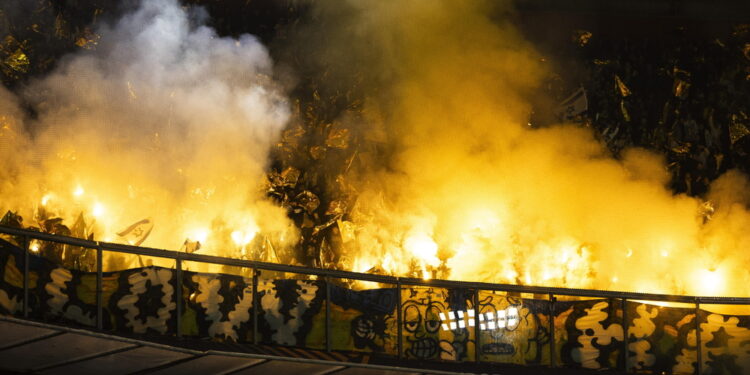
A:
x: 255, y: 305
x: 699, y: 368
x: 328, y: 314
x: 99, y: 288
x: 625, y: 349
x: 178, y: 295
x: 552, y: 359
x: 399, y: 321
x: 477, y: 329
x: 26, y: 276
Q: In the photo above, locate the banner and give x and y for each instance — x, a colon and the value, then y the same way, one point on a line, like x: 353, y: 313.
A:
x: 438, y: 324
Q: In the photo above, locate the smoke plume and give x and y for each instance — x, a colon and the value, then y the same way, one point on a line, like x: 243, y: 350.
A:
x: 163, y: 120
x: 168, y: 121
x: 469, y: 188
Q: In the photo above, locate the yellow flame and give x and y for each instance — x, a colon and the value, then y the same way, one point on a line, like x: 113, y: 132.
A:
x: 242, y: 238
x: 98, y: 210
x: 34, y: 246
x: 711, y: 282
x: 45, y: 199
x: 78, y: 191
x: 388, y: 263
x: 199, y: 234
x: 423, y: 247
x: 362, y: 265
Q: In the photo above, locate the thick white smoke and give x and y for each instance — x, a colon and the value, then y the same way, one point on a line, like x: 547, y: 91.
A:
x: 163, y: 120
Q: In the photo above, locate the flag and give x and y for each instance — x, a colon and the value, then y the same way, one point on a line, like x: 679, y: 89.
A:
x: 574, y: 105
x: 138, y: 232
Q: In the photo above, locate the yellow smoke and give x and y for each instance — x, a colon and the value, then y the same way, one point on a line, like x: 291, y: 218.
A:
x: 165, y: 121
x: 497, y: 201
x: 170, y: 122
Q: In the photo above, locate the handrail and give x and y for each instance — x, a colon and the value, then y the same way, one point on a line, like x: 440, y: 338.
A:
x: 594, y: 293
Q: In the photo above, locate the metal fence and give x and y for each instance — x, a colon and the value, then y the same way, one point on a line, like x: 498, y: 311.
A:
x: 257, y: 267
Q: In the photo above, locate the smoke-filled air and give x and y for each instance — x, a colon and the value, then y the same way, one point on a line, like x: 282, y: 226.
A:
x: 472, y: 192
x: 167, y: 127
x: 158, y: 137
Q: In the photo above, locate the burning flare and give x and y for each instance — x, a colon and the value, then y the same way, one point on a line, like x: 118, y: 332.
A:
x: 157, y: 135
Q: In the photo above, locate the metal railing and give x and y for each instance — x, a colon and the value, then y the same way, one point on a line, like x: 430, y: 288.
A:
x: 256, y: 267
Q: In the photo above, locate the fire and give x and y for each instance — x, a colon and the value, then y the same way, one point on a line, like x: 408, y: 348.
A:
x: 199, y: 235
x: 711, y: 282
x: 34, y: 246
x: 424, y: 249
x: 242, y: 238
x: 168, y: 150
x: 45, y: 199
x: 78, y: 191
x: 98, y: 210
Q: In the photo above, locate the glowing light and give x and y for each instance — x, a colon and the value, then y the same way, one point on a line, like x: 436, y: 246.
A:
x: 615, y: 279
x: 388, y: 263
x: 664, y: 253
x: 423, y: 247
x: 507, y: 318
x: 237, y: 237
x: 711, y: 281
x: 98, y: 210
x: 34, y: 246
x: 78, y: 191
x: 658, y: 303
x: 546, y: 275
x: 362, y: 265
x: 45, y: 199
x: 629, y: 254
x: 199, y: 235
x: 241, y: 238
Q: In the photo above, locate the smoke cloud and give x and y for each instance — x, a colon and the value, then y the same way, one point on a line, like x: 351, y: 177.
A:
x: 167, y: 120
x: 468, y: 186
x: 164, y: 120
